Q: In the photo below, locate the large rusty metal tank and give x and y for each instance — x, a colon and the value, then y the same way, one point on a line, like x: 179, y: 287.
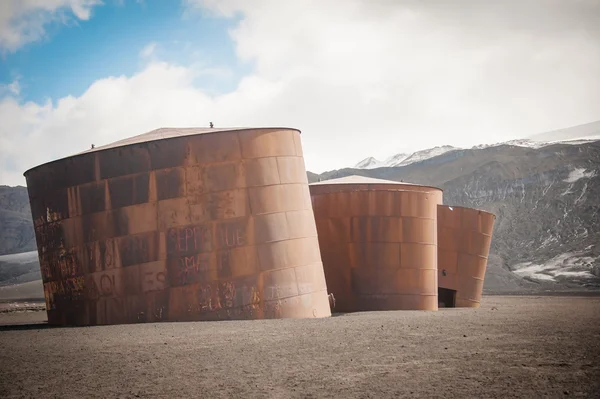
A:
x: 378, y: 241
x: 464, y: 239
x: 179, y: 224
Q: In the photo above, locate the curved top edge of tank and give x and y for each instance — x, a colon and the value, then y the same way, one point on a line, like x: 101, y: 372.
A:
x: 366, y: 190
x: 163, y: 133
x: 357, y: 179
x: 470, y: 209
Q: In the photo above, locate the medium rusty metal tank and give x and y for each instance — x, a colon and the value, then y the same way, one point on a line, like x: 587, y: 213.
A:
x: 464, y: 239
x: 179, y: 224
x: 378, y: 241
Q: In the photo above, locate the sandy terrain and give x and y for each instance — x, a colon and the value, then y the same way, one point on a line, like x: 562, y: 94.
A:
x: 510, y: 347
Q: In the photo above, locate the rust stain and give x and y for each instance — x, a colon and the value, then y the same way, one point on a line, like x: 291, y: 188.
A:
x: 464, y: 239
x: 378, y: 243
x: 179, y: 224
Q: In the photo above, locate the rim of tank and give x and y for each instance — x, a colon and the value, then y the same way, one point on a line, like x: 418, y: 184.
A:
x: 163, y: 133
x: 471, y: 209
x: 346, y: 181
x: 379, y: 190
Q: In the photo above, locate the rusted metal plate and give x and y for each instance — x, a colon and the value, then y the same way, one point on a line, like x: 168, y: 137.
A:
x: 179, y: 224
x: 350, y: 183
x: 464, y: 239
x: 378, y: 243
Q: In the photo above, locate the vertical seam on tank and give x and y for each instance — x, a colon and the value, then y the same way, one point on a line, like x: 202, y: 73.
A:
x: 239, y: 143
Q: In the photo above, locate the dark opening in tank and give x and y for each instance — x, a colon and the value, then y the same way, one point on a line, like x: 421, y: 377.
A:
x: 446, y: 298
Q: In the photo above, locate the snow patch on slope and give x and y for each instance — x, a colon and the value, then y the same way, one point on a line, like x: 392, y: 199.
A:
x: 579, y: 173
x: 568, y: 264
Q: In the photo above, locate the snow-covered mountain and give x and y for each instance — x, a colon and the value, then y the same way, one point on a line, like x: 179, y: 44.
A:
x: 396, y: 160
x: 368, y: 163
x: 539, y: 144
x: 403, y: 159
x: 426, y: 154
x: 588, y: 131
x: 574, y: 135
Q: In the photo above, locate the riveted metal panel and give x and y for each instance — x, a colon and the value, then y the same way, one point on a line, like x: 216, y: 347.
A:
x: 179, y: 224
x: 378, y: 244
x: 464, y: 238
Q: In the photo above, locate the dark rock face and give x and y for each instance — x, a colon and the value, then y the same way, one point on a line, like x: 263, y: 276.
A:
x: 547, y: 203
x: 19, y: 268
x: 16, y: 226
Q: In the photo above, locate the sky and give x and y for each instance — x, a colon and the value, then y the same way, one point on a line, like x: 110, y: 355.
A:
x: 359, y: 78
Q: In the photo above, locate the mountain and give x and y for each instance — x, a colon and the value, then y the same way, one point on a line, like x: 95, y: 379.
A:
x: 16, y: 232
x: 546, y: 199
x: 422, y: 155
x: 588, y: 131
x: 395, y: 160
x: 403, y: 159
x: 368, y: 163
x: 580, y: 134
x: 574, y: 135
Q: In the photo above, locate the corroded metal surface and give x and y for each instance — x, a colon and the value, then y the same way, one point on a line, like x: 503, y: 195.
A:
x: 378, y: 244
x: 350, y: 183
x: 187, y: 227
x: 464, y: 239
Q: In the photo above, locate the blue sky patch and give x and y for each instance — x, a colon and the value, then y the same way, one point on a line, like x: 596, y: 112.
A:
x: 73, y: 56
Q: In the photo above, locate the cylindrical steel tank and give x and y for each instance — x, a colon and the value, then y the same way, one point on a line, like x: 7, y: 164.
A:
x: 464, y: 239
x: 179, y: 224
x: 378, y: 241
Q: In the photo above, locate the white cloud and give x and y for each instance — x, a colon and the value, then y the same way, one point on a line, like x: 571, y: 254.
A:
x: 10, y: 89
x: 148, y: 50
x: 24, y: 21
x: 365, y: 78
x: 15, y: 88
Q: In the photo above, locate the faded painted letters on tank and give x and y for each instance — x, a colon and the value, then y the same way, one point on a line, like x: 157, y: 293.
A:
x: 134, y: 250
x: 189, y: 240
x: 231, y: 234
x: 160, y: 227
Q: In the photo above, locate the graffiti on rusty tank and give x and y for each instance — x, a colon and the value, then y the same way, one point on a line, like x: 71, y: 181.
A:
x: 189, y: 240
x: 224, y: 296
x: 169, y: 230
x: 204, y: 238
x: 193, y: 252
x: 70, y: 289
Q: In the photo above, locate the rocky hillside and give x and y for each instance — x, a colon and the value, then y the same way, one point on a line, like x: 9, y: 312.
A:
x: 16, y: 226
x: 547, y: 202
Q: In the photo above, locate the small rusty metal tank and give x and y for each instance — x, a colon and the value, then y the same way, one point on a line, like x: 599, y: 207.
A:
x: 464, y: 239
x: 179, y: 224
x: 378, y: 241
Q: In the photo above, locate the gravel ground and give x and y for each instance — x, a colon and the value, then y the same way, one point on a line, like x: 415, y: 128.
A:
x: 510, y: 347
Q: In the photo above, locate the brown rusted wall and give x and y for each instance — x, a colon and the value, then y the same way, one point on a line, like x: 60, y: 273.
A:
x: 200, y: 227
x: 323, y: 188
x: 464, y: 239
x: 378, y: 245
